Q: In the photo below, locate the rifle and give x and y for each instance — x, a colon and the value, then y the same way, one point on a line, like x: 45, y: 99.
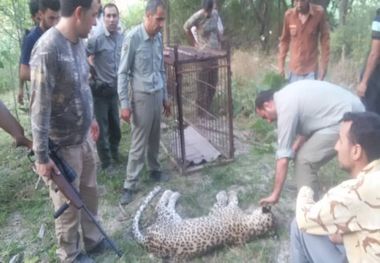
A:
x: 64, y: 184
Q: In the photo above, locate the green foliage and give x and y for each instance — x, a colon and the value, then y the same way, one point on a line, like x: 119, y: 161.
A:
x: 272, y: 80
x: 353, y: 39
x: 133, y: 16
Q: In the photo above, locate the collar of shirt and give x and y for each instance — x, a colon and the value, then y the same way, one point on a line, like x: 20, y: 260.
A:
x: 145, y: 34
x: 106, y: 32
x: 369, y: 167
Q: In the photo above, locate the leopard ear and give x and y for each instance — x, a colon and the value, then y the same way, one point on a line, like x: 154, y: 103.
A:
x: 266, y: 209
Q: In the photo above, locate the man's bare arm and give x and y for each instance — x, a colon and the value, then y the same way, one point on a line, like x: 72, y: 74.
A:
x: 280, y: 176
x: 24, y: 72
x: 373, y: 60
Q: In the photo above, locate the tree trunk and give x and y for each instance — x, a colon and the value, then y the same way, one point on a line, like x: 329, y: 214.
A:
x: 343, y: 8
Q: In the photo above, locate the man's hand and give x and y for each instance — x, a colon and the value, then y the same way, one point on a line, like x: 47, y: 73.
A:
x: 361, y: 89
x: 336, y: 238
x: 270, y: 200
x: 126, y: 115
x: 94, y: 130
x: 46, y: 169
x: 167, y: 108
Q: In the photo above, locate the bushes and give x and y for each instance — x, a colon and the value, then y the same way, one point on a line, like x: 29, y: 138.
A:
x: 353, y: 39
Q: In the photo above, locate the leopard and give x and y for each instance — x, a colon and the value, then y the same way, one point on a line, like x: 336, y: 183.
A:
x: 176, y: 239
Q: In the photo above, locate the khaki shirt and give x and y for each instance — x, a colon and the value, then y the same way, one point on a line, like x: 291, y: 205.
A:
x: 351, y: 209
x: 141, y: 65
x: 106, y: 49
x: 207, y: 29
x: 303, y: 41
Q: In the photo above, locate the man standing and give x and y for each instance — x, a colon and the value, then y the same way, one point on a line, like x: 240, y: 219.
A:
x: 61, y: 110
x: 369, y: 86
x: 104, y: 50
x: 302, y: 27
x: 48, y: 16
x: 142, y: 67
x: 350, y: 211
x: 308, y: 114
x: 207, y: 36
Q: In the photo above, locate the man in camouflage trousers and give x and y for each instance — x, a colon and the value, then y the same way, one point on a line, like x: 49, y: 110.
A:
x: 61, y: 110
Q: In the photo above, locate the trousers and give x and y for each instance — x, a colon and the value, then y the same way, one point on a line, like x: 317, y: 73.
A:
x: 145, y: 135
x: 67, y: 227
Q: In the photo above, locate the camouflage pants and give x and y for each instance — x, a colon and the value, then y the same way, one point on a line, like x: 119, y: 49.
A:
x: 82, y: 159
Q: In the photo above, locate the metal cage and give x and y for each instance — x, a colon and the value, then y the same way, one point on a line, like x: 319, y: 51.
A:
x: 200, y: 129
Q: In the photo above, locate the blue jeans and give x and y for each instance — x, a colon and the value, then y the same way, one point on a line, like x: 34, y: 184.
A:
x: 294, y: 77
x: 308, y: 248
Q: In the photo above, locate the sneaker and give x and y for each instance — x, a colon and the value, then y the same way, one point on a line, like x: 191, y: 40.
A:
x: 101, y: 247
x: 83, y: 258
x: 126, y: 198
x: 158, y: 176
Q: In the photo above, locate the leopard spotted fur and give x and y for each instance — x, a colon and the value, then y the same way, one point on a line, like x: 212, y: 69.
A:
x: 172, y: 237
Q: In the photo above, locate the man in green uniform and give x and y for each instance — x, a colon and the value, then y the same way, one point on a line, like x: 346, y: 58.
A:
x: 142, y: 67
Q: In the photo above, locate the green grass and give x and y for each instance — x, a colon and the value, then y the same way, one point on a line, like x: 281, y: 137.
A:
x: 23, y: 209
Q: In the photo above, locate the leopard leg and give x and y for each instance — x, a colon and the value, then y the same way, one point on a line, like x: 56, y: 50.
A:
x: 161, y: 204
x: 173, y: 200
x: 232, y: 198
x: 175, y: 218
x: 221, y: 201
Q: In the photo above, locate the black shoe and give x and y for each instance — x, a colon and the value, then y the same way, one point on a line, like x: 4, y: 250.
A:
x: 126, y: 198
x: 83, y: 258
x: 101, y: 247
x: 158, y: 176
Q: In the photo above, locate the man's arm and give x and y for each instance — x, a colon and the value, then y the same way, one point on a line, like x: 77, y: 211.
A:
x: 43, y: 67
x: 283, y: 46
x: 24, y: 72
x: 331, y: 215
x: 280, y: 176
x: 125, y: 69
x: 298, y: 142
x: 192, y: 21
x: 372, y: 61
x: 325, y: 47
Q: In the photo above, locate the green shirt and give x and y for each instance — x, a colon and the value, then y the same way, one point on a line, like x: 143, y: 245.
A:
x: 106, y: 48
x: 141, y: 65
x: 309, y: 106
x: 207, y: 28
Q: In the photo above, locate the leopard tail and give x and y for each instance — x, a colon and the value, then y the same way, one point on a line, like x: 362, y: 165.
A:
x: 139, y: 237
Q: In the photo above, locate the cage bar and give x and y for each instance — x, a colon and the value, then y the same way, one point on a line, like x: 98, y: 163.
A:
x: 200, y: 129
